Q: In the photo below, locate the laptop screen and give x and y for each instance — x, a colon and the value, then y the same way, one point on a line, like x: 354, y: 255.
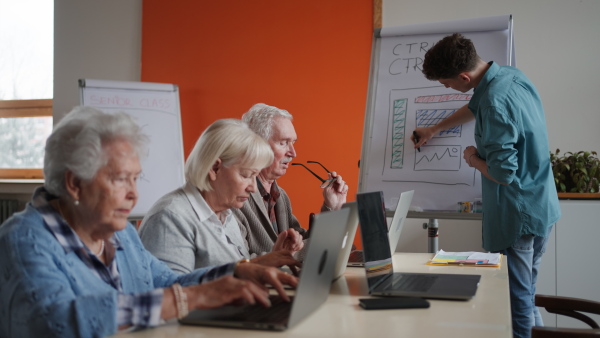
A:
x: 395, y: 228
x: 374, y: 232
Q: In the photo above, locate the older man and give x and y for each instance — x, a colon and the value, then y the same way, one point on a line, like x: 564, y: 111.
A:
x: 268, y: 211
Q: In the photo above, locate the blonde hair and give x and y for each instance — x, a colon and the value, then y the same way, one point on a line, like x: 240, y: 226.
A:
x: 230, y: 140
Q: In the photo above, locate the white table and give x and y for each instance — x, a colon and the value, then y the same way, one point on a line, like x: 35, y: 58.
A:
x: 487, y: 315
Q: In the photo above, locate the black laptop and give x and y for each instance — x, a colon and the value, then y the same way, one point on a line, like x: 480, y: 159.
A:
x: 382, y: 280
x: 313, y: 287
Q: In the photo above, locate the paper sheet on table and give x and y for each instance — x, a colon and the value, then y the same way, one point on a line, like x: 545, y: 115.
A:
x: 467, y: 258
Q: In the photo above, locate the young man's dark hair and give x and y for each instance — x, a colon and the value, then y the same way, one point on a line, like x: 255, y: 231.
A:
x: 449, y: 57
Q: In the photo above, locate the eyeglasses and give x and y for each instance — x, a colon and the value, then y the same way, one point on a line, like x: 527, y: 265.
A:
x: 324, y: 182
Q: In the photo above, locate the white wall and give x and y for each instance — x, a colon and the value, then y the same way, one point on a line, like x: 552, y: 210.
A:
x: 92, y: 39
x: 96, y: 40
x: 557, y: 45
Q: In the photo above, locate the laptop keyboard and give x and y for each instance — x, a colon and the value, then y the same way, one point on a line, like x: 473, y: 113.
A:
x: 356, y: 256
x: 279, y: 311
x: 416, y: 283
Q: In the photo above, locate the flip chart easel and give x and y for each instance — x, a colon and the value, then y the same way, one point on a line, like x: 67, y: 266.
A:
x: 155, y: 107
x: 400, y: 99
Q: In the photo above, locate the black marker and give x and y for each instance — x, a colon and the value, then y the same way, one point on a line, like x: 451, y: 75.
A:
x: 416, y: 137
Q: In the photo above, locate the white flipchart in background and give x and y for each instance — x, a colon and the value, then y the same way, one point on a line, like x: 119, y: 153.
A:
x: 155, y: 107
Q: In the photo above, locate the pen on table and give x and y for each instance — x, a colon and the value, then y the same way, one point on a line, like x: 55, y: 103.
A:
x: 462, y: 262
x: 416, y: 137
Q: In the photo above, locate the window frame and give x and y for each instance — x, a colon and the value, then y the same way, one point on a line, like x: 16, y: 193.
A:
x: 24, y: 108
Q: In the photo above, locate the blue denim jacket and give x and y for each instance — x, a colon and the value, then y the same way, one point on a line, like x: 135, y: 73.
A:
x: 48, y: 292
x: 511, y: 136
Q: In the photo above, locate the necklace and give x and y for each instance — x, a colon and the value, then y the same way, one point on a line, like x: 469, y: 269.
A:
x: 101, y: 251
x: 60, y: 211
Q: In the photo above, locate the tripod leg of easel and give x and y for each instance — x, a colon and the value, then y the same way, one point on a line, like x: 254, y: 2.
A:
x: 432, y: 234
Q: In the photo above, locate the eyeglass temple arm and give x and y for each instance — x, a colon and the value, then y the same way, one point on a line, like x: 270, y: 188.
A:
x: 319, y: 164
x: 312, y: 172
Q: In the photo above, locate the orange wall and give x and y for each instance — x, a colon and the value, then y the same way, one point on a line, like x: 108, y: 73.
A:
x: 310, y: 57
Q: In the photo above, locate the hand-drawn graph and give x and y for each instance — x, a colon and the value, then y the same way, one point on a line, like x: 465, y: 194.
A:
x: 430, y: 117
x: 440, y: 161
x: 398, y: 131
x: 439, y: 158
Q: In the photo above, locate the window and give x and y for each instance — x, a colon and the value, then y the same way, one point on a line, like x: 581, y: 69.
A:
x: 26, y: 65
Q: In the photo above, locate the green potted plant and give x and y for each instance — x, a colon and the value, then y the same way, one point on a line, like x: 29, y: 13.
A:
x: 576, y: 174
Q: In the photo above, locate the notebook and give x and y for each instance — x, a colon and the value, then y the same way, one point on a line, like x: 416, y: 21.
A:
x: 356, y: 257
x: 313, y: 287
x: 381, y: 279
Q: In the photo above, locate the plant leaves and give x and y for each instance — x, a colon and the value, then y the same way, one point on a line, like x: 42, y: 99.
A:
x: 576, y: 172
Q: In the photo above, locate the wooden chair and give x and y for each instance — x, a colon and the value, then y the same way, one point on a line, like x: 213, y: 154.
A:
x: 571, y: 307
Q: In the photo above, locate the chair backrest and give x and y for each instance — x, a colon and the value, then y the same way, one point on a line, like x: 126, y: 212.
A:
x: 571, y: 307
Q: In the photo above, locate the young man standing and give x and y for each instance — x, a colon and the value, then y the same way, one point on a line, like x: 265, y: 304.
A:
x: 520, y: 203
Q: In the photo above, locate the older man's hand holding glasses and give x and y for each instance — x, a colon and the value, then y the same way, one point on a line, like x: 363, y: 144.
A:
x: 334, y: 188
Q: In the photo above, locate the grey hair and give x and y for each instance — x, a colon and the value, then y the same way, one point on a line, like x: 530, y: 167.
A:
x: 260, y: 118
x: 76, y: 144
x: 230, y: 140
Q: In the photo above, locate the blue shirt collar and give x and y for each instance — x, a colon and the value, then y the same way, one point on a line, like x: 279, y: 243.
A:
x: 65, y: 235
x: 479, y: 91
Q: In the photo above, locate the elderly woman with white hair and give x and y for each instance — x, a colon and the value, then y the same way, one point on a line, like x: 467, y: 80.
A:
x: 193, y: 226
x: 71, y: 264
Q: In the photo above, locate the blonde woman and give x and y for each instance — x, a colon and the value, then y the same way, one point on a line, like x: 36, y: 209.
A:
x: 194, y: 226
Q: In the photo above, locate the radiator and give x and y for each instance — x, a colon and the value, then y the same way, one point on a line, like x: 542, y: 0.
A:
x: 7, y: 208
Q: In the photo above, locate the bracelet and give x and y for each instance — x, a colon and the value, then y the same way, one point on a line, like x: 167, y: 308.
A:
x: 241, y: 261
x: 180, y: 301
x: 470, y: 159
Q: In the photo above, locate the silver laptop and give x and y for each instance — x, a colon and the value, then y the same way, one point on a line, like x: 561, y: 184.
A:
x: 356, y: 257
x: 351, y: 227
x: 313, y: 288
x: 381, y: 279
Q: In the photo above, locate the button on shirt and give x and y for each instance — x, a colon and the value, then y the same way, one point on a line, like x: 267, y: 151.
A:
x: 511, y: 136
x: 220, y: 241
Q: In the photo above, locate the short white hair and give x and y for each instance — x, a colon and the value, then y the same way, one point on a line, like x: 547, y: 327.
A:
x: 230, y: 140
x: 76, y: 144
x: 260, y: 118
